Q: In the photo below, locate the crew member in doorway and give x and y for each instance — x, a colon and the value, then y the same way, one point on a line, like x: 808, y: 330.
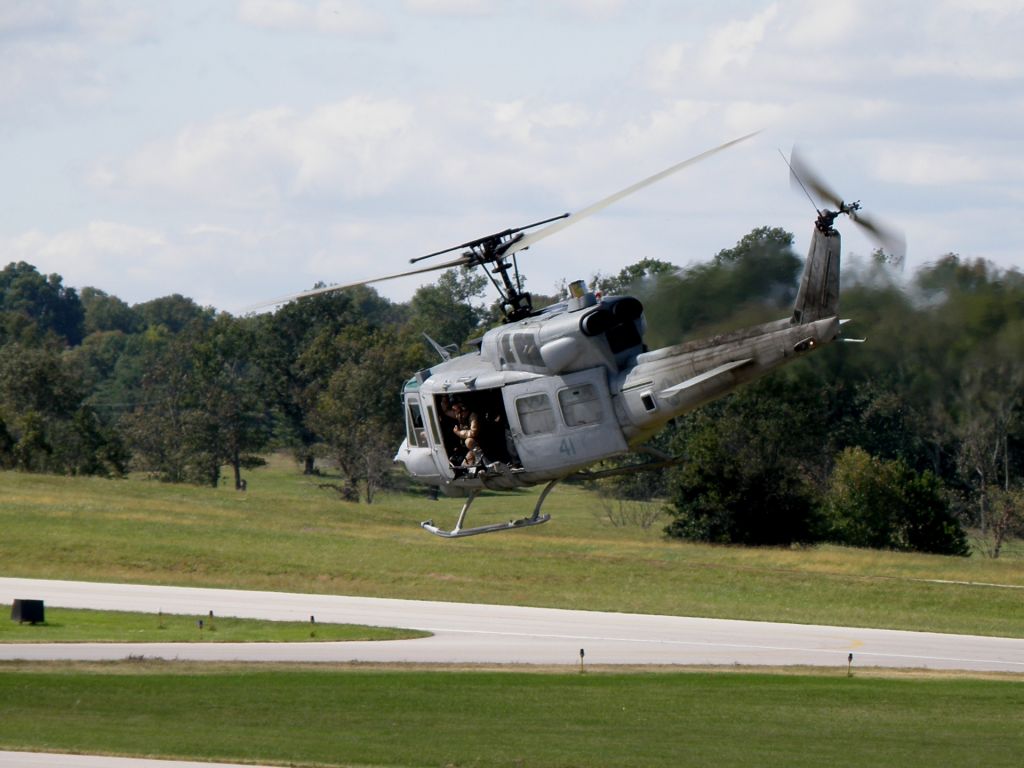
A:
x: 467, y: 429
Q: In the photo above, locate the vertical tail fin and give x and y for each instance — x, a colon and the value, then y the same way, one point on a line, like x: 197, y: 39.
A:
x: 818, y: 297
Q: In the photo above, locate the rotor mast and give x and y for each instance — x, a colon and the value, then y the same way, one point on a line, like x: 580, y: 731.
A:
x: 491, y: 249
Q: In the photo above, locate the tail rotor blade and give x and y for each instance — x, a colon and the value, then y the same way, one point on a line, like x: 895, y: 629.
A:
x: 890, y: 239
x: 804, y: 177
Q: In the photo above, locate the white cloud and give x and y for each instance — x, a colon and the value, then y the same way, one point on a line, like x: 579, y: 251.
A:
x: 816, y: 25
x: 735, y: 43
x: 594, y: 10
x: 473, y: 8
x: 350, y: 149
x: 105, y: 21
x: 22, y: 17
x: 971, y: 64
x: 530, y: 122
x: 289, y: 141
x: 111, y: 22
x: 995, y: 8
x: 346, y: 18
x: 215, y: 265
x: 973, y: 41
x: 928, y: 164
x: 666, y: 65
x: 51, y: 54
x: 100, y: 253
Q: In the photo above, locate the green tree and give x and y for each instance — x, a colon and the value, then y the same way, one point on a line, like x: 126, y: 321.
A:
x: 449, y: 310
x: 882, y: 504
x: 294, y: 349
x: 201, y: 405
x: 156, y: 427
x: 632, y: 277
x: 359, y: 412
x: 174, y: 312
x: 7, y: 444
x: 753, y: 463
x: 107, y: 313
x: 42, y: 301
x: 1006, y: 518
x: 46, y: 426
x: 750, y: 283
x: 233, y: 413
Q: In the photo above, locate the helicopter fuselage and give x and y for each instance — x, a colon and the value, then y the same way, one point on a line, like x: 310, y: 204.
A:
x: 574, y: 384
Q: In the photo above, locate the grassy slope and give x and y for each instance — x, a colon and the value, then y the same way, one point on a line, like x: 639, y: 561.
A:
x: 509, y: 719
x: 286, y: 534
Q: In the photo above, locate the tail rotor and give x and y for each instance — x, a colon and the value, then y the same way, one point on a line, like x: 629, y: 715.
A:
x: 830, y: 205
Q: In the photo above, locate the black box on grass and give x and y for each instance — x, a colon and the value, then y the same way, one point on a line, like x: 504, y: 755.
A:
x: 31, y: 611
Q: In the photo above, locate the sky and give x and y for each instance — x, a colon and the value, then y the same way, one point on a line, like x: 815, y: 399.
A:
x: 236, y: 151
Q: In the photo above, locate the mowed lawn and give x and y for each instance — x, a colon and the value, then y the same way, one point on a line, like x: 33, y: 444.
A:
x: 425, y: 718
x: 286, y: 533
x: 63, y: 625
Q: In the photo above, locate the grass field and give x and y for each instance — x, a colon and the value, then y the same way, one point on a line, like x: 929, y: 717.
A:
x: 287, y: 534
x: 77, y: 626
x: 424, y: 718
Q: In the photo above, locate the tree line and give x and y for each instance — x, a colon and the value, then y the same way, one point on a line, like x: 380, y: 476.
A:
x: 903, y: 442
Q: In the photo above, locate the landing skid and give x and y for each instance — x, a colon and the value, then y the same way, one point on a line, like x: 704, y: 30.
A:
x: 458, y: 531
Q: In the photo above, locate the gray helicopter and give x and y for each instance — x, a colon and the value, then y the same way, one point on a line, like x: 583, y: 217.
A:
x: 553, y: 391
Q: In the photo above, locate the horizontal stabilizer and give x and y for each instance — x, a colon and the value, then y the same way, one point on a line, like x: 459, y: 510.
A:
x: 849, y: 341
x: 706, y: 376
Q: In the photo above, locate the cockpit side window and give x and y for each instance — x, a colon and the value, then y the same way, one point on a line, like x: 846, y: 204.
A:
x: 416, y: 432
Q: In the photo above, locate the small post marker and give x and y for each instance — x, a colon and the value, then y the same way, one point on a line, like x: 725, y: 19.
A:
x: 200, y: 625
x: 582, y: 654
x: 312, y: 619
x: 849, y: 665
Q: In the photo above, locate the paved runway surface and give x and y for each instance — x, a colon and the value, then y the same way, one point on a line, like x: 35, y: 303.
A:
x: 492, y: 634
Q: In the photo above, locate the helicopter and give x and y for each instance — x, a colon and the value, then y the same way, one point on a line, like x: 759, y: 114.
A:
x: 551, y: 392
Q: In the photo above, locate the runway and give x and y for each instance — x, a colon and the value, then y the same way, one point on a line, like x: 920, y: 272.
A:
x: 492, y: 634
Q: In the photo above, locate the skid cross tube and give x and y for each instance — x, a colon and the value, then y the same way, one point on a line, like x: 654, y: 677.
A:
x: 458, y: 531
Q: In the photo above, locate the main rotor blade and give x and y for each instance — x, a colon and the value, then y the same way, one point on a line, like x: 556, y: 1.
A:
x: 462, y: 261
x: 804, y: 177
x: 527, y: 240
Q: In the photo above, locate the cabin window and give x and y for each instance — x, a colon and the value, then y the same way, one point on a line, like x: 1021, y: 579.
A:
x: 648, y: 400
x: 536, y: 415
x: 580, y: 405
x: 417, y: 432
